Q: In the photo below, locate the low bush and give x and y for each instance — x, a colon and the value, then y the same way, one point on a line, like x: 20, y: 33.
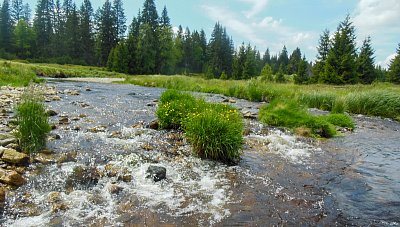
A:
x: 32, y: 121
x: 214, y: 130
x: 289, y: 114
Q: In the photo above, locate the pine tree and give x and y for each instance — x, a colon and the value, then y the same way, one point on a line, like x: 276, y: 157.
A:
x: 283, y: 60
x: 394, y: 68
x: 133, y: 57
x: 301, y: 74
x: 107, y: 35
x: 73, y: 49
x: 86, y: 36
x: 365, y: 63
x: 6, y: 27
x: 250, y: 66
x: 266, y: 58
x: 266, y: 73
x: 43, y: 26
x: 17, y: 11
x: 120, y: 19
x: 166, y: 61
x: 26, y: 12
x: 340, y: 66
x: 294, y: 62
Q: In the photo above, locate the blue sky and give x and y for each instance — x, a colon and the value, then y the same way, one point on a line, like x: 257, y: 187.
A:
x: 274, y: 23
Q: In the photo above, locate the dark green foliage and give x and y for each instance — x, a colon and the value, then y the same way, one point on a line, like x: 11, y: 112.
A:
x: 319, y: 100
x: 24, y: 38
x: 301, y: 76
x: 289, y: 114
x: 32, y: 122
x: 294, y: 62
x: 394, y: 68
x: 340, y: 65
x: 365, y: 63
x: 107, y: 34
x: 120, y: 19
x: 6, y: 26
x: 86, y: 36
x: 43, y: 27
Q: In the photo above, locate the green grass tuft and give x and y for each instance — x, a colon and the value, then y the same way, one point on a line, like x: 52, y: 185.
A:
x: 32, y: 121
x: 341, y: 120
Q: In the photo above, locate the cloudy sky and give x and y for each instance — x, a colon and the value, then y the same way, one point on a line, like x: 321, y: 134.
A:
x: 294, y: 23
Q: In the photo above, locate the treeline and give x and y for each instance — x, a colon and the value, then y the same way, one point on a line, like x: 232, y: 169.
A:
x: 62, y: 32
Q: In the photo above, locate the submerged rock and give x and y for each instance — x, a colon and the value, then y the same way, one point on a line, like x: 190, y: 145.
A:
x: 14, y: 157
x: 153, y: 124
x: 114, y: 189
x: 2, y: 197
x: 83, y: 177
x: 11, y: 177
x: 157, y: 173
x: 51, y: 113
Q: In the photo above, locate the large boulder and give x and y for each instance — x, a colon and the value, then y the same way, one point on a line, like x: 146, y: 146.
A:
x: 157, y: 173
x: 14, y: 157
x: 83, y: 177
x: 11, y: 177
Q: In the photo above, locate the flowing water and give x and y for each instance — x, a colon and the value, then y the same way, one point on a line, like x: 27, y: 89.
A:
x: 281, y: 179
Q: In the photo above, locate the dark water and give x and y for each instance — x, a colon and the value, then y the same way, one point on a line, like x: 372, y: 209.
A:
x: 281, y: 179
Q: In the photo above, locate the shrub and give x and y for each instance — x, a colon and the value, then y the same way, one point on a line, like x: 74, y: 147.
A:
x: 216, y: 133
x: 288, y: 113
x: 32, y: 121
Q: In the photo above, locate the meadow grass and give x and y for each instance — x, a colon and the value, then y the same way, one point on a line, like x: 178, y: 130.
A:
x: 12, y: 75
x: 32, y: 121
x: 214, y: 130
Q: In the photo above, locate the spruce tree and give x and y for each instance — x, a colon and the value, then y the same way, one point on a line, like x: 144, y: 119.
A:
x: 17, y: 11
x: 394, y: 68
x: 324, y: 45
x: 26, y: 12
x: 340, y: 66
x: 43, y: 26
x: 73, y: 49
x: 6, y: 27
x: 24, y: 39
x: 365, y: 63
x: 86, y: 36
x: 166, y: 61
x: 133, y: 57
x: 107, y: 35
x: 294, y: 61
x: 250, y: 65
x: 120, y: 19
x: 301, y: 74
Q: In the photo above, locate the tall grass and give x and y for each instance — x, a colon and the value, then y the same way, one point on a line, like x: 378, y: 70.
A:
x: 32, y: 120
x: 214, y: 130
x: 12, y: 75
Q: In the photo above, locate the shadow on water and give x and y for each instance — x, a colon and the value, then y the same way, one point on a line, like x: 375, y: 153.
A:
x: 281, y: 179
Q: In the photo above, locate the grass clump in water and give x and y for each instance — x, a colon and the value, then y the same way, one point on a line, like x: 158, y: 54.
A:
x: 32, y: 121
x: 214, y: 130
x: 289, y: 114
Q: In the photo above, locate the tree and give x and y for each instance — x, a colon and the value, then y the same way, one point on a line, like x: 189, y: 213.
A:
x: 24, y: 38
x: 283, y: 60
x: 26, y: 12
x: 324, y: 45
x: 120, y: 19
x: 250, y: 67
x: 73, y: 49
x: 266, y: 57
x: 342, y: 56
x: 133, y: 57
x: 43, y: 27
x: 6, y: 27
x: 266, y: 73
x: 394, y: 68
x: 86, y: 36
x: 107, y: 35
x: 294, y: 62
x: 301, y: 75
x: 17, y: 10
x: 365, y: 63
x: 166, y: 61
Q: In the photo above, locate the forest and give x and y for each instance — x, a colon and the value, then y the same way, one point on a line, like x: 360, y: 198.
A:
x: 64, y: 33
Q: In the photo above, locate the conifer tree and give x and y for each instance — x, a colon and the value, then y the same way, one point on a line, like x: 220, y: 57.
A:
x: 283, y: 60
x: 394, y: 68
x: 250, y: 65
x: 43, y: 26
x: 73, y: 49
x: 86, y: 36
x: 148, y: 41
x: 365, y: 63
x: 17, y: 11
x: 324, y: 45
x: 301, y: 74
x: 120, y: 19
x: 24, y: 39
x: 107, y: 35
x: 166, y: 61
x: 294, y: 61
x: 6, y: 27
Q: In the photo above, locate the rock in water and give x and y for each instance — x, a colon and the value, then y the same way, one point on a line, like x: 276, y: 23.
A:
x: 11, y: 177
x: 157, y: 173
x: 83, y: 177
x: 14, y: 157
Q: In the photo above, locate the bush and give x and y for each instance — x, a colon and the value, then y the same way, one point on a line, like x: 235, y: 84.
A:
x: 214, y: 130
x: 32, y: 121
x: 289, y: 114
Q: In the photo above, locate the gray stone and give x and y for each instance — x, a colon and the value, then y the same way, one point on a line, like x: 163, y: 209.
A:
x: 157, y: 173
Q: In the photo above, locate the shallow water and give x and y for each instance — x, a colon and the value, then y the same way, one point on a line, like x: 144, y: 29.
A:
x: 281, y: 179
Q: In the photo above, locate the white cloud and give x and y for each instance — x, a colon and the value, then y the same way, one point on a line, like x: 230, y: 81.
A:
x: 257, y: 6
x: 386, y: 62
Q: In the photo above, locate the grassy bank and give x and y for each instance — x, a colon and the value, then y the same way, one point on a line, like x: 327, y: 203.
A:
x: 376, y: 100
x: 11, y: 74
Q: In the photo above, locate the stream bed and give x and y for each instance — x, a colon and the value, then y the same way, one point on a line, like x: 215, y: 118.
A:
x: 281, y: 179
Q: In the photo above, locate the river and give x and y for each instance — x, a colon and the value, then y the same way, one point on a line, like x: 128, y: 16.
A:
x: 281, y: 179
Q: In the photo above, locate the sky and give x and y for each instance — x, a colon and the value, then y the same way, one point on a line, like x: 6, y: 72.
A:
x: 275, y: 23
